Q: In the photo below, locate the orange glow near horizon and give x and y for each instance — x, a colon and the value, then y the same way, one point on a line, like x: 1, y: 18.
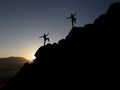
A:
x: 30, y: 56
x: 26, y: 50
x: 33, y: 57
x: 27, y: 54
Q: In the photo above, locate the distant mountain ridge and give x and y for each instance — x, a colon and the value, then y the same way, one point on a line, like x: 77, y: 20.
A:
x: 9, y: 67
x: 13, y: 58
x: 87, y: 58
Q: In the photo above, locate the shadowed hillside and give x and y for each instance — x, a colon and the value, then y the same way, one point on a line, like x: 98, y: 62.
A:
x: 86, y: 58
x: 9, y: 67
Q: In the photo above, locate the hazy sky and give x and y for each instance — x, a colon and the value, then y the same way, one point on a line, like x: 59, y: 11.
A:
x: 23, y: 21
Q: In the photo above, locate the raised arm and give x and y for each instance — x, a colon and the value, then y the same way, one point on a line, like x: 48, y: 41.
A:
x: 75, y: 13
x: 47, y: 34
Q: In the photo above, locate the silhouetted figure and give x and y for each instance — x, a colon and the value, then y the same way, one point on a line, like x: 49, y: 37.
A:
x: 45, y: 38
x: 73, y: 19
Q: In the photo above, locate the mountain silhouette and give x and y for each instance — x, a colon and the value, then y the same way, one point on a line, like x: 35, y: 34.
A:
x: 86, y: 58
x: 9, y: 67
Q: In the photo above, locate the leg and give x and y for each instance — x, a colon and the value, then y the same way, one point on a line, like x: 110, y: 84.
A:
x: 72, y: 23
x: 74, y: 20
x: 48, y: 39
x: 44, y: 42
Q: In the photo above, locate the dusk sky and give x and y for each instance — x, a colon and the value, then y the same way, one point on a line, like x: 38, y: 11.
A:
x: 23, y: 21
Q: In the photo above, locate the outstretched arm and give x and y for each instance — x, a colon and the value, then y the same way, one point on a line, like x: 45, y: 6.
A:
x: 68, y: 18
x: 40, y: 37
